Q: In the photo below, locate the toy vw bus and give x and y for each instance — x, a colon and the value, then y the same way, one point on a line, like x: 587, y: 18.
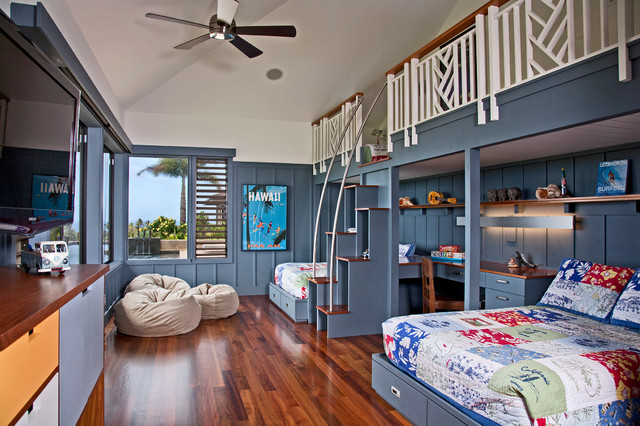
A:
x: 48, y: 256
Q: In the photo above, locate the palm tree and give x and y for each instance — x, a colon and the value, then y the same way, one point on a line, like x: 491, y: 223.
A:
x: 173, y: 167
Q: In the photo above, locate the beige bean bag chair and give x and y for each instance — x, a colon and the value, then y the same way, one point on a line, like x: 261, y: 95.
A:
x: 156, y: 312
x: 217, y: 301
x: 151, y: 281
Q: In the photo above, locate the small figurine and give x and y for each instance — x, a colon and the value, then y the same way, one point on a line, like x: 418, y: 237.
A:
x: 512, y: 263
x: 502, y: 194
x: 514, y: 193
x: 492, y: 195
x: 49, y: 256
x: 365, y: 254
x: 550, y: 191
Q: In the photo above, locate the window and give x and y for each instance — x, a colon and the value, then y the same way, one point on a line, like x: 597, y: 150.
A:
x: 107, y: 211
x: 211, y: 208
x: 158, y: 207
x: 72, y: 233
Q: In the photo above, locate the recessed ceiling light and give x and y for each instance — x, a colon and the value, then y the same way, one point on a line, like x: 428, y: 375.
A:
x: 274, y: 74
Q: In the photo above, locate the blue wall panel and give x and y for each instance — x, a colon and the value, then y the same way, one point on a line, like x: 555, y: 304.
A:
x: 591, y: 240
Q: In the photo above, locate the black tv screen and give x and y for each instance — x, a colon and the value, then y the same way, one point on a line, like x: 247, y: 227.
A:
x: 39, y: 110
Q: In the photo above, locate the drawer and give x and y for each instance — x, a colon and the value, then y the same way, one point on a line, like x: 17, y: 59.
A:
x: 494, y: 299
x: 288, y: 305
x: 505, y: 283
x: 450, y: 272
x: 274, y: 295
x: 398, y: 392
x: 25, y: 365
x: 44, y: 410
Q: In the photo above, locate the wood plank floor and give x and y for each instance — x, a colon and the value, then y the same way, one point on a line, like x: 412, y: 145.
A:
x: 256, y: 367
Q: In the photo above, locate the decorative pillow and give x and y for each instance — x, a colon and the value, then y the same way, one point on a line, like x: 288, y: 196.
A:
x: 627, y: 309
x: 407, y: 249
x: 586, y: 288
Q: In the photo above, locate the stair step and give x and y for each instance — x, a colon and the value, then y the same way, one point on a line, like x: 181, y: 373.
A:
x: 321, y: 280
x: 337, y: 309
x: 340, y: 233
x: 352, y: 258
x: 361, y: 186
x: 371, y: 208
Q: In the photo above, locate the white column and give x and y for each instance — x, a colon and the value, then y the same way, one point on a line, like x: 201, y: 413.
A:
x: 482, y: 72
x: 390, y: 118
x: 625, y: 24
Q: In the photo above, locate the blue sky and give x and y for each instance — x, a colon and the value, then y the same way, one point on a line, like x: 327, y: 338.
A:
x: 151, y: 196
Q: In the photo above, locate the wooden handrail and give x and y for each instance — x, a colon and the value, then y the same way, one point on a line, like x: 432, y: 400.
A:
x: 447, y: 35
x: 335, y: 109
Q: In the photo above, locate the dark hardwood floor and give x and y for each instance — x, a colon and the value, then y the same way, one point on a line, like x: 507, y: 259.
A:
x: 256, y: 367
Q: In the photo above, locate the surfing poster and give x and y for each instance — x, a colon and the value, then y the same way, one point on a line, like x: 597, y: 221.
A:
x: 612, y: 177
x: 264, y: 217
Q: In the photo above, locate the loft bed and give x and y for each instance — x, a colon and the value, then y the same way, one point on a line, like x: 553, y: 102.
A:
x: 573, y: 358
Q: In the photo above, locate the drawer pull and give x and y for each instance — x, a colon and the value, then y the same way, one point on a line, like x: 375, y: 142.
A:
x: 395, y: 391
x: 286, y: 304
x: 502, y: 281
x: 458, y: 273
x: 502, y: 298
x: 85, y: 291
x: 30, y: 332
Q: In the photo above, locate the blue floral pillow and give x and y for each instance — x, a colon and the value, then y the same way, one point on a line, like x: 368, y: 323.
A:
x: 587, y: 288
x: 627, y: 309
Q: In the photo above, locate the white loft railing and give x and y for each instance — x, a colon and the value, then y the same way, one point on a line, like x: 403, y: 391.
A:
x: 326, y: 132
x: 520, y: 41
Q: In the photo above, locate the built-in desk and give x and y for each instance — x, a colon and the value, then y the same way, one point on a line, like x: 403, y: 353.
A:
x: 504, y: 287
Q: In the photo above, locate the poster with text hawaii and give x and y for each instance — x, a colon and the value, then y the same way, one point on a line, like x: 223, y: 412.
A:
x: 264, y: 217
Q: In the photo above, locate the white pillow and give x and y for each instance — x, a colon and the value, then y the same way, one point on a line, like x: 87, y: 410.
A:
x: 407, y: 249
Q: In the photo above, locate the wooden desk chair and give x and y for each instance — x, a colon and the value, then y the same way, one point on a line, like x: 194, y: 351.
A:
x: 431, y: 302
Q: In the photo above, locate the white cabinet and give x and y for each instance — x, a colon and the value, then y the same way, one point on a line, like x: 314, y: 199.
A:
x: 44, y: 410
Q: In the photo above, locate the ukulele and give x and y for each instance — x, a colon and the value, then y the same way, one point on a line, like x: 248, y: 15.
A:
x: 436, y: 197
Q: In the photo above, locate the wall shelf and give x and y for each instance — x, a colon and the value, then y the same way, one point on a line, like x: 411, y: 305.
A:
x: 568, y: 200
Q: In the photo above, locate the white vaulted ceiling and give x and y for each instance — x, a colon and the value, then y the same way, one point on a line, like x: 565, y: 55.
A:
x: 342, y: 46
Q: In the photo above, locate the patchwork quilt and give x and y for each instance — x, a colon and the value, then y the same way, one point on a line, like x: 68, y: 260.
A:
x: 525, y: 365
x: 293, y: 277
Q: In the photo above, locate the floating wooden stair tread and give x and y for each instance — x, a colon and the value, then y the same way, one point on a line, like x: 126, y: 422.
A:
x: 372, y: 208
x: 321, y: 280
x: 374, y: 162
x: 352, y: 258
x: 361, y: 186
x: 337, y: 309
x: 340, y: 233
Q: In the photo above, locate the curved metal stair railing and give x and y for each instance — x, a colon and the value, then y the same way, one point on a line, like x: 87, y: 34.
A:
x: 336, y: 149
x: 344, y: 179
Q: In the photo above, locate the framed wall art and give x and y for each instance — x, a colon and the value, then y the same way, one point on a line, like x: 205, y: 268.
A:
x: 264, y: 217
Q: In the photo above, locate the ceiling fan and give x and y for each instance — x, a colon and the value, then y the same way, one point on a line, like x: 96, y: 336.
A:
x: 222, y: 26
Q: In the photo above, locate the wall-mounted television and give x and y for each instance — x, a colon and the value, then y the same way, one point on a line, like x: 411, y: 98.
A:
x: 39, y: 114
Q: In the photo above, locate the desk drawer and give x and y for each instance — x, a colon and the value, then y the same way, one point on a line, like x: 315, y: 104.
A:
x: 449, y: 272
x: 25, y: 365
x: 494, y: 299
x: 505, y: 283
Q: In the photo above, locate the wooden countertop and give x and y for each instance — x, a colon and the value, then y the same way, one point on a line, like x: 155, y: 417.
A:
x: 26, y: 298
x: 491, y: 267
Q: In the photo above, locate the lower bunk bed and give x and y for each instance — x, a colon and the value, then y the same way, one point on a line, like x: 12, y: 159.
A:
x: 572, y: 359
x: 290, y: 289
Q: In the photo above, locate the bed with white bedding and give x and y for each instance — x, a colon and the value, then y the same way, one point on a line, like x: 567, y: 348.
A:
x: 290, y: 288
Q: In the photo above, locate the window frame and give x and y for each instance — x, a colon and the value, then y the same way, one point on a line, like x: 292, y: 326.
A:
x: 110, y: 212
x: 192, y: 154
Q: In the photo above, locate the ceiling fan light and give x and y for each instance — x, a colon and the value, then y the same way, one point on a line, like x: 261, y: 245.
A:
x: 221, y: 32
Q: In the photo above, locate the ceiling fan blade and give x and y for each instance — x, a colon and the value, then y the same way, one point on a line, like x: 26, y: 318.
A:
x: 269, y: 30
x: 227, y: 10
x: 189, y: 44
x: 245, y: 47
x: 176, y: 20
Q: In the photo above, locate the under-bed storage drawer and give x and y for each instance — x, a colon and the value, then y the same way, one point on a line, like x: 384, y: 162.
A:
x: 400, y: 394
x: 413, y: 400
x: 274, y: 294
